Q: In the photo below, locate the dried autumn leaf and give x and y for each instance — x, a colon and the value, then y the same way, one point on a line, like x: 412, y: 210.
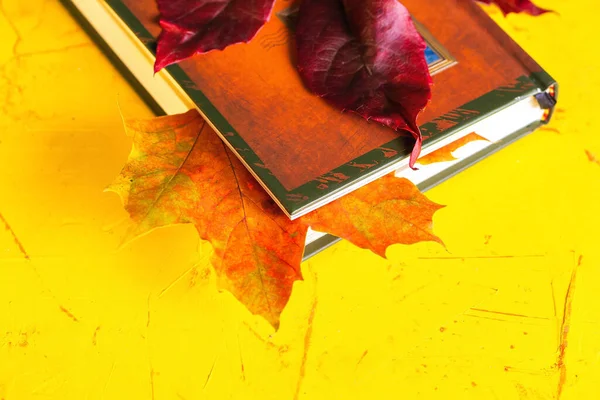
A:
x: 445, y: 153
x: 387, y: 211
x: 198, y: 26
x: 365, y: 56
x: 516, y: 6
x: 179, y: 171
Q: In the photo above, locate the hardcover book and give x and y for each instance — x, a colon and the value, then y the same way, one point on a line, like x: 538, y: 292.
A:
x: 306, y: 153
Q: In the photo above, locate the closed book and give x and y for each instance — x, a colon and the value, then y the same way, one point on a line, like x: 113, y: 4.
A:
x: 304, y: 152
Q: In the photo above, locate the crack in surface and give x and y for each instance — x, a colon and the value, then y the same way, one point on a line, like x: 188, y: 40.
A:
x: 9, y: 81
x: 307, y: 343
x: 564, y: 329
x: 15, y: 238
x: 68, y: 314
x: 592, y: 157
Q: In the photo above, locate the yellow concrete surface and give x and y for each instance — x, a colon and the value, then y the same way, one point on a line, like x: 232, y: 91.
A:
x: 509, y: 311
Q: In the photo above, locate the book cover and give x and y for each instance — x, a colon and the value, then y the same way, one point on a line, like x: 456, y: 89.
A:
x: 304, y: 151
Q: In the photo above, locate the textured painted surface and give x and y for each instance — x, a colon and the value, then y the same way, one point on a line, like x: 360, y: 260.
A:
x: 510, y: 311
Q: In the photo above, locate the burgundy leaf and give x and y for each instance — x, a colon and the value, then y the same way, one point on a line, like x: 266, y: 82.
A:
x: 365, y: 56
x: 517, y: 6
x: 198, y: 26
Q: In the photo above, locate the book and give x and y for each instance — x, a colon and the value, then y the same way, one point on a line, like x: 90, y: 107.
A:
x: 306, y: 153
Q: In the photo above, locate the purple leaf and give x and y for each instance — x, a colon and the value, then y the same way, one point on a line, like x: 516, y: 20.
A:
x: 198, y: 26
x: 365, y: 56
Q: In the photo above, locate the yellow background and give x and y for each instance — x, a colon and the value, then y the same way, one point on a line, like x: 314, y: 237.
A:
x: 509, y: 311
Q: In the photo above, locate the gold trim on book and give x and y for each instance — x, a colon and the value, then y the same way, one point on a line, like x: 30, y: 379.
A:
x: 447, y: 60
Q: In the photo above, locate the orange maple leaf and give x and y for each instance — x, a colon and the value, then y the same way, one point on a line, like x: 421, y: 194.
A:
x: 387, y: 211
x: 445, y: 153
x: 179, y: 171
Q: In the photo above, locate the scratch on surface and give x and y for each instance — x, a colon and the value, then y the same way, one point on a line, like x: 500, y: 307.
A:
x: 564, y: 329
x: 40, y: 16
x: 148, y: 315
x: 549, y: 129
x: 210, y: 373
x: 591, y: 157
x: 553, y: 297
x: 362, y: 358
x: 481, y: 316
x: 257, y: 335
x: 15, y: 238
x: 479, y: 257
x: 52, y: 51
x: 532, y: 372
x: 415, y: 291
x: 112, y: 368
x: 95, y: 337
x: 68, y: 314
x: 170, y: 285
x: 241, y: 358
x: 307, y: 340
x: 152, y: 382
x: 507, y: 314
x: 17, y: 42
x: 13, y: 27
